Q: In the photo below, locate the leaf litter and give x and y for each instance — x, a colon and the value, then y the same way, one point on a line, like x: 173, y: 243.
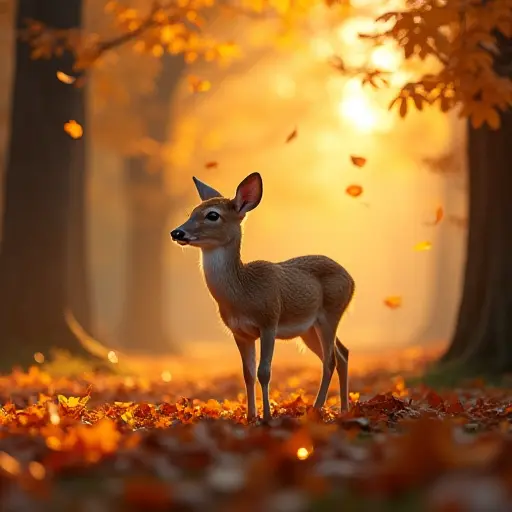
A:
x: 126, y: 443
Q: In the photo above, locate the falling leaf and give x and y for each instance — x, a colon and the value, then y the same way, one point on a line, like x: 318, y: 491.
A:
x: 211, y: 165
x: 423, y: 246
x: 37, y: 470
x: 64, y: 78
x: 291, y: 136
x: 438, y: 217
x: 393, y: 301
x: 197, y: 84
x: 73, y: 129
x: 358, y: 161
x: 354, y: 190
x: 9, y: 464
x: 112, y: 357
x: 39, y: 358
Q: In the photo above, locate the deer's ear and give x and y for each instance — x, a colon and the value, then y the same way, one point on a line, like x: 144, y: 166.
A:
x: 248, y: 194
x: 205, y: 191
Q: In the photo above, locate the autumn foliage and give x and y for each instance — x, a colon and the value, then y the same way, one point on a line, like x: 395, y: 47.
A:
x: 469, y: 40
x: 132, y: 442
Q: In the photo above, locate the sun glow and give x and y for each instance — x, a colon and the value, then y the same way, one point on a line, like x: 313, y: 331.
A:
x: 359, y: 112
x: 386, y: 58
x: 363, y: 107
x: 362, y: 110
x: 311, y: 181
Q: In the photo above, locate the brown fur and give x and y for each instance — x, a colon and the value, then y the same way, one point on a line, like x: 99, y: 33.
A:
x: 304, y: 296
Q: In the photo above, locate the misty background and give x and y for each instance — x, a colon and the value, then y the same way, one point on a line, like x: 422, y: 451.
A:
x: 413, y: 167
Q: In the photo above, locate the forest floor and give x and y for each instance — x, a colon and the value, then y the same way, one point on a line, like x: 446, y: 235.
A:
x: 123, y: 443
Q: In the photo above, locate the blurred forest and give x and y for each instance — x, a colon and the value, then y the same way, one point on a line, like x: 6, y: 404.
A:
x: 100, y: 135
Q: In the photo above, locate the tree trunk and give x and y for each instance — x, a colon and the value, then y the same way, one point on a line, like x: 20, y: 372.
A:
x: 483, y: 335
x: 78, y: 258
x: 148, y: 204
x: 38, y: 183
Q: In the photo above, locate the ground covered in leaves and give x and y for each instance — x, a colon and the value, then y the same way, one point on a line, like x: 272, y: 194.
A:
x: 110, y: 443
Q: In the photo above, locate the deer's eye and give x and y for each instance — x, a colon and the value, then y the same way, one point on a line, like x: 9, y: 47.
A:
x: 213, y: 216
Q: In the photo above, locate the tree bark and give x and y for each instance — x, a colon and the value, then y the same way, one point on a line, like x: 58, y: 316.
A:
x: 78, y: 259
x: 148, y: 205
x: 41, y: 165
x: 483, y: 335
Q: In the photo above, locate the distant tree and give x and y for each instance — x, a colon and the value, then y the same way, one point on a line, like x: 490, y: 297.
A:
x: 471, y: 41
x: 43, y: 213
x: 148, y: 204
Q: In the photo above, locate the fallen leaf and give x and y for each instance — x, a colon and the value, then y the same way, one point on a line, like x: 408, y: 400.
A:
x: 354, y: 190
x: 434, y: 400
x: 354, y: 396
x: 358, y: 161
x: 393, y: 302
x: 292, y: 136
x: 64, y: 78
x: 73, y: 129
x: 423, y: 246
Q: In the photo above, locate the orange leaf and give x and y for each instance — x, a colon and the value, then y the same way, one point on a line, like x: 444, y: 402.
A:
x: 493, y: 119
x: 211, y: 165
x: 434, y: 400
x: 292, y: 136
x: 438, y: 218
x: 65, y: 79
x: 354, y: 190
x: 393, y: 302
x: 354, y: 396
x: 423, y: 246
x: 403, y: 108
x: 358, y: 161
x: 73, y: 129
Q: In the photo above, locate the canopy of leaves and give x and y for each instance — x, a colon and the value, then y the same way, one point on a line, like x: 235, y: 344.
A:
x: 120, y: 47
x: 471, y: 41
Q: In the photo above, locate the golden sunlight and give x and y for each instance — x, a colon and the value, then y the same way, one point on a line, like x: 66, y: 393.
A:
x: 316, y: 200
x: 251, y: 113
x: 360, y: 112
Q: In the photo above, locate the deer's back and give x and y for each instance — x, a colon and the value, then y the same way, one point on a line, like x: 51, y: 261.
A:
x: 336, y: 286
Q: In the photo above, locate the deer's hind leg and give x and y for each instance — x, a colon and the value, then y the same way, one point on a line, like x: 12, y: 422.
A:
x: 341, y: 354
x: 314, y: 340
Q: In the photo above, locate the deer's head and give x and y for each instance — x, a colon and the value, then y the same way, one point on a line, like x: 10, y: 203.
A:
x: 216, y: 221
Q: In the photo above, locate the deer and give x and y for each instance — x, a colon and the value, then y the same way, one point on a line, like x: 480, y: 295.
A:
x: 304, y: 296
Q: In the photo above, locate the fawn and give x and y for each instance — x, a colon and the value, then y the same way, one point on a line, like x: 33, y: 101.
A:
x: 304, y: 296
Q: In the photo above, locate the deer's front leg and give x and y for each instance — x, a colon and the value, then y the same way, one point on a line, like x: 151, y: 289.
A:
x: 268, y: 339
x: 248, y: 352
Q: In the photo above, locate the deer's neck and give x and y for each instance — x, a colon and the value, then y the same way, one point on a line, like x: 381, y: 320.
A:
x: 222, y: 269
